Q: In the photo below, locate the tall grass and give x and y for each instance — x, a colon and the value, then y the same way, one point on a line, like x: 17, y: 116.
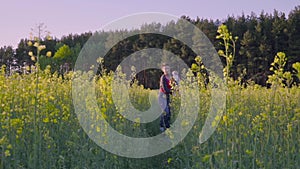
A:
x: 260, y: 128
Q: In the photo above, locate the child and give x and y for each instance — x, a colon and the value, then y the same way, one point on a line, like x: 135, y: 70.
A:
x: 175, y: 77
x: 175, y: 82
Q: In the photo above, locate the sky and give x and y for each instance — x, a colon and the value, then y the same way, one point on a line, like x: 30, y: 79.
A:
x: 77, y: 16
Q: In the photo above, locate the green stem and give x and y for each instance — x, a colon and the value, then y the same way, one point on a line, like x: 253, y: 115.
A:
x: 36, y: 129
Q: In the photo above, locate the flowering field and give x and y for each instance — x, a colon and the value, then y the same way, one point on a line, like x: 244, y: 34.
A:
x: 39, y: 129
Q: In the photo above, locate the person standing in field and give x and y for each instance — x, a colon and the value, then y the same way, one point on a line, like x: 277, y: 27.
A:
x: 164, y: 97
x: 176, y: 78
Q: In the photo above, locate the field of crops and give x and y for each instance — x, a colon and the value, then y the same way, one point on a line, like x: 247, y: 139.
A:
x: 39, y: 129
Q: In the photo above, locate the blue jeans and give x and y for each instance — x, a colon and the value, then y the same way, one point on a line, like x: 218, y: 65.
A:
x: 164, y: 102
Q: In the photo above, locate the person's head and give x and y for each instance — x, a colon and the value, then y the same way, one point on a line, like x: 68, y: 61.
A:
x: 165, y: 68
x: 175, y: 73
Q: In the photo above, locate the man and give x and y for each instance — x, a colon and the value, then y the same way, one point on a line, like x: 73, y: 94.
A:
x: 164, y: 97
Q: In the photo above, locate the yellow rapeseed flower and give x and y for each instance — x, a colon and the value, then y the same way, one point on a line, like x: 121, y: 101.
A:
x: 36, y: 44
x: 29, y: 43
x: 32, y: 58
x: 27, y: 68
x: 49, y: 54
x: 184, y: 123
x: 46, y: 120
x: 41, y: 47
x: 221, y: 52
x: 7, y: 153
x: 9, y: 146
x: 225, y: 118
x: 98, y: 129
x: 49, y: 37
x: 169, y: 133
x: 30, y: 53
x: 169, y: 160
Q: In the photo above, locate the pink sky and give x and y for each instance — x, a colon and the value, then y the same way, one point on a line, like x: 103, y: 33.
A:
x: 65, y: 16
